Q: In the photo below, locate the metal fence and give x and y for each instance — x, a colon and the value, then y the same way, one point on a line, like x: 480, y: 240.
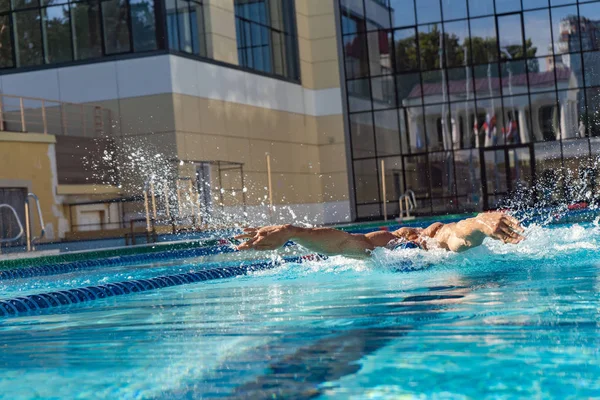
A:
x: 37, y: 115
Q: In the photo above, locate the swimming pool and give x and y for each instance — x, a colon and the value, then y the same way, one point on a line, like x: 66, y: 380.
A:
x: 498, y: 321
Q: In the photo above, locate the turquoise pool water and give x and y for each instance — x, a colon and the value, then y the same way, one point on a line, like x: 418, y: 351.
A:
x: 499, y: 322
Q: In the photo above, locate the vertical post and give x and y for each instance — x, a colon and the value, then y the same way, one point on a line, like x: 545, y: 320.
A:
x: 384, y: 190
x: 1, y: 114
x: 23, y: 126
x: 270, y: 186
x: 28, y: 225
x: 147, y: 209
x: 83, y: 119
x: 153, y: 199
x: 44, y: 121
x: 167, y: 208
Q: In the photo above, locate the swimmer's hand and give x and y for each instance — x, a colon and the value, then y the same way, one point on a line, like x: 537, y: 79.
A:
x: 471, y: 232
x: 267, y: 238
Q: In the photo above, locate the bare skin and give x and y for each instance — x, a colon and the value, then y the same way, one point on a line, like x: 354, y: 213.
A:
x: 457, y: 237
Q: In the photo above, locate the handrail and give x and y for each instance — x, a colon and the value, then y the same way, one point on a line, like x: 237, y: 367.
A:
x: 32, y: 239
x: 408, y: 200
x: 21, y: 231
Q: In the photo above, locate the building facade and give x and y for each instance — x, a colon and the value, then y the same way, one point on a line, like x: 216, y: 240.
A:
x: 470, y: 103
x: 204, y: 83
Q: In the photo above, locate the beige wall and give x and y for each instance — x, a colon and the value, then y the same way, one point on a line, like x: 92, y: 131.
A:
x: 26, y: 161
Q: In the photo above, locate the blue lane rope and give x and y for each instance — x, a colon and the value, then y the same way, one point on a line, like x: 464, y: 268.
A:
x: 36, y: 302
x: 56, y: 269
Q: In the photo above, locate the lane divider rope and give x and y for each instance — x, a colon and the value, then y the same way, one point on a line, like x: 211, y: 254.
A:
x: 36, y: 302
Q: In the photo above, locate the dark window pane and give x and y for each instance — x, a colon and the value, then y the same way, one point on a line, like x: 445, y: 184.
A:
x: 185, y: 28
x: 6, y: 57
x: 468, y: 177
x: 406, y: 50
x: 85, y: 18
x: 565, y: 31
x: 394, y: 179
x: 562, y: 2
x: 548, y: 166
x: 378, y: 15
x: 531, y: 4
x: 430, y: 45
x: 463, y: 125
x: 359, y: 95
x: 435, y: 88
x: 418, y: 178
x: 479, y: 8
x: 569, y: 70
x: 517, y: 126
x: 408, y: 87
x: 403, y: 12
x: 454, y: 9
x: 548, y: 117
x: 383, y: 91
x: 490, y: 123
x: 363, y: 135
x: 428, y: 11
x: 58, y: 34
x: 366, y: 180
x: 510, y: 34
x: 387, y: 134
x: 542, y: 75
x: 28, y: 38
x: 460, y: 84
x: 380, y: 47
x: 437, y: 125
x: 538, y: 38
x: 21, y: 4
x: 572, y: 111
x: 592, y: 115
x: 514, y: 77
x: 487, y: 83
x: 352, y: 24
x: 173, y: 29
x: 505, y: 6
x: 198, y: 29
x: 116, y: 28
x: 356, y: 55
x: 4, y: 5
x: 456, y: 43
x: 143, y: 25
x: 416, y: 131
x: 484, y: 44
x: 442, y: 175
x: 590, y: 30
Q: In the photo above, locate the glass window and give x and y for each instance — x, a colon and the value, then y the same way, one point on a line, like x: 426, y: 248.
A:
x: 85, y: 18
x: 394, y: 178
x: 542, y: 75
x: 428, y: 11
x: 547, y: 116
x: 408, y: 87
x: 6, y: 56
x: 442, y: 175
x: 590, y: 30
x: 463, y: 125
x: 58, y: 34
x: 517, y: 127
x: 456, y: 44
x: 514, y: 77
x: 413, y: 118
x: 538, y: 38
x: 487, y: 82
x: 366, y: 180
x: 387, y: 134
x: 116, y: 28
x: 383, y: 91
x: 510, y: 34
x: 266, y: 37
x: 406, y: 50
x: 454, y: 9
x: 4, y: 5
x: 468, y: 177
x: 143, y: 25
x: 592, y: 115
x: 403, y: 12
x: 506, y: 6
x: 564, y: 28
x: 569, y: 70
x: 28, y: 37
x: 592, y: 68
x: 572, y: 110
x: 378, y: 15
x: 548, y: 166
x: 352, y: 24
x: 437, y: 126
x: 562, y: 2
x: 430, y: 46
x: 531, y: 4
x: 363, y: 135
x: 356, y: 55
x: 484, y: 44
x: 418, y: 178
x: 380, y: 46
x: 359, y: 95
x: 478, y: 8
x: 22, y: 4
x: 460, y: 84
x: 435, y: 88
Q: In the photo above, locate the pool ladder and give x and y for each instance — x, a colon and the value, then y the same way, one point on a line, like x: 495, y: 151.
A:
x: 31, y: 240
x: 408, y: 202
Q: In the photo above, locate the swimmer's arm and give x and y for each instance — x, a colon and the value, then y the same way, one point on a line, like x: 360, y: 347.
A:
x: 470, y: 233
x: 325, y: 241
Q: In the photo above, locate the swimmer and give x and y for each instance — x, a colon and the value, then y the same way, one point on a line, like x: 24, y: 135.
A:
x: 457, y: 237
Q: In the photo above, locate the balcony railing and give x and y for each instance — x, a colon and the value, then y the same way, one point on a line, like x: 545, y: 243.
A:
x: 51, y: 117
